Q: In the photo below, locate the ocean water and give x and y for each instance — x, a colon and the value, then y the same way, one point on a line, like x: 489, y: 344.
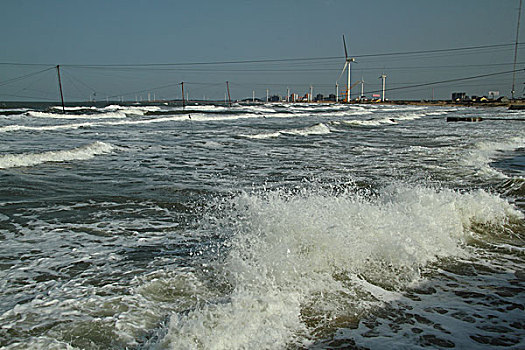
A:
x: 268, y: 226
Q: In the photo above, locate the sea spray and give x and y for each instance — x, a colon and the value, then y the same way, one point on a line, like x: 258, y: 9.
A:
x: 300, y: 262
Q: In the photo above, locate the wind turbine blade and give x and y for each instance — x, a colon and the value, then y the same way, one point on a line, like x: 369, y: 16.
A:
x: 344, y: 43
x: 340, y: 75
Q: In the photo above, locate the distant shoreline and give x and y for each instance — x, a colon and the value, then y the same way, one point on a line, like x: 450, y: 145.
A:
x: 445, y: 103
x: 514, y: 104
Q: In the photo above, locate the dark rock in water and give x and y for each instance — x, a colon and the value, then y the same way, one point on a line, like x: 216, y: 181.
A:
x: 517, y: 107
x: 464, y: 119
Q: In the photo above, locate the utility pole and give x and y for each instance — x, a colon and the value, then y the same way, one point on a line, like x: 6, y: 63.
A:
x: 516, y: 53
x: 229, y: 98
x: 60, y: 86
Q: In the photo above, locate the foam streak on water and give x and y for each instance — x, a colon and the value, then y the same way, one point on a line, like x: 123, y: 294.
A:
x: 265, y: 226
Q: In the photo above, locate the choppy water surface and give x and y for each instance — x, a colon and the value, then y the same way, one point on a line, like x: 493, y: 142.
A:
x: 261, y: 226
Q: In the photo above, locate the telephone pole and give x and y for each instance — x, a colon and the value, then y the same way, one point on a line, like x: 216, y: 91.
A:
x: 516, y: 53
x: 60, y: 86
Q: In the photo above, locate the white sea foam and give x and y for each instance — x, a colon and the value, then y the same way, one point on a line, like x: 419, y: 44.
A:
x: 409, y: 116
x: 31, y: 159
x: 206, y: 108
x: 21, y: 110
x: 484, y: 153
x: 262, y: 136
x: 368, y: 122
x: 349, y: 112
x: 259, y: 109
x: 300, y: 260
x: 11, y: 128
x: 318, y: 129
x: 15, y: 127
x: 109, y: 115
x: 73, y: 108
x: 391, y: 119
x: 133, y: 110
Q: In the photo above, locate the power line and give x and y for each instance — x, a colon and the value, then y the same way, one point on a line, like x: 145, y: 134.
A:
x: 436, y: 51
x: 298, y: 59
x: 25, y: 76
x: 449, y: 80
x: 145, y: 90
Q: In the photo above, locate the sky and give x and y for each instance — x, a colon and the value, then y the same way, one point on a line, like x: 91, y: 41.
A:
x: 134, y: 48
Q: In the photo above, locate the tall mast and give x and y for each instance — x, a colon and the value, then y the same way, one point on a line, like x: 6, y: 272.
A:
x: 516, y: 53
x: 60, y: 86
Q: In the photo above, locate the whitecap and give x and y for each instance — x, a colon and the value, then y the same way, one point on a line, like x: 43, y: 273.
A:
x: 32, y: 159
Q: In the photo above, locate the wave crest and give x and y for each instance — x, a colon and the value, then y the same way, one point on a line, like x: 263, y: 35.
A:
x: 32, y: 159
x: 296, y: 257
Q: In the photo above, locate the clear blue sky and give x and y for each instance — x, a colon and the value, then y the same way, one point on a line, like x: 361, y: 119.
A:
x: 105, y: 32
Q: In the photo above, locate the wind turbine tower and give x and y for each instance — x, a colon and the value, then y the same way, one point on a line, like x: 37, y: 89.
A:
x: 383, y: 77
x: 362, y: 88
x: 348, y: 68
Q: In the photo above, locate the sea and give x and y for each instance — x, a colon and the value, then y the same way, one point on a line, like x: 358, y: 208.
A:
x: 261, y: 226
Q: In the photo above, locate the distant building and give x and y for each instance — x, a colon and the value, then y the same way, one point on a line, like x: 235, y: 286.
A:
x: 319, y: 97
x: 459, y: 96
x: 275, y: 98
x: 493, y: 95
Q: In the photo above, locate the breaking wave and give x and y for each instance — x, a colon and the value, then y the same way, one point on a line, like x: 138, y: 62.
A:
x: 108, y: 115
x: 485, y: 152
x: 318, y: 129
x: 299, y: 262
x: 32, y: 159
x: 392, y: 119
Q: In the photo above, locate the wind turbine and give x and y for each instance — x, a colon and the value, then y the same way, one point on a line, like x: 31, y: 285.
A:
x: 348, y: 62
